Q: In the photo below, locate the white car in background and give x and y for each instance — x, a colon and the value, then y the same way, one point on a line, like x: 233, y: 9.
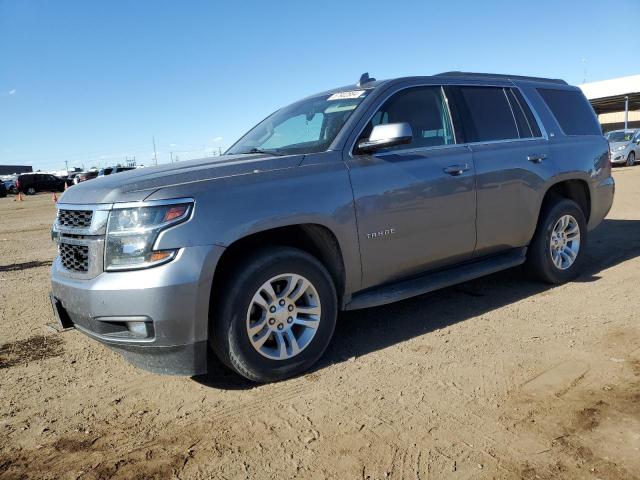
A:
x: 9, y: 183
x: 624, y: 146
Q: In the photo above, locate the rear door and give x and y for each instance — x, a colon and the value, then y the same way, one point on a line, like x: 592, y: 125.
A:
x: 510, y: 155
x: 414, y: 210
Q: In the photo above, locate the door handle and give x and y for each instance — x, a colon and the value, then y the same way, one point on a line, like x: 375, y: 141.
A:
x: 455, y: 170
x: 537, y: 158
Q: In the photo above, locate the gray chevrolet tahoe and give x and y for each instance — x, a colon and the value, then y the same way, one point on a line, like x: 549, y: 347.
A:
x: 349, y: 199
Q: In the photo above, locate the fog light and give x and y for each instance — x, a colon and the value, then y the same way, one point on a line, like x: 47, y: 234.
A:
x: 137, y: 329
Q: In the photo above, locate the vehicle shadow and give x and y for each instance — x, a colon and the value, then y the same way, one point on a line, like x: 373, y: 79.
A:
x: 361, y: 332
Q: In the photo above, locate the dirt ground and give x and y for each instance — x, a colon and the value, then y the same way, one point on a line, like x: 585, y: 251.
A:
x: 496, y: 378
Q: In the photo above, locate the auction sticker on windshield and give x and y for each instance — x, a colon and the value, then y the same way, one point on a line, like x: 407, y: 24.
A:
x: 344, y: 95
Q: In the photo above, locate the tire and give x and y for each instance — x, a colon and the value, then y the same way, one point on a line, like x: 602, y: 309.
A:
x: 540, y: 257
x: 243, y: 303
x: 631, y: 159
x: 31, y: 191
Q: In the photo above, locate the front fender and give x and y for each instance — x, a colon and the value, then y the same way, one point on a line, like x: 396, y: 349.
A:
x: 229, y: 209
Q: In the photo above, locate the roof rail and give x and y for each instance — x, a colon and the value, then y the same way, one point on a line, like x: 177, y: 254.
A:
x: 497, y: 75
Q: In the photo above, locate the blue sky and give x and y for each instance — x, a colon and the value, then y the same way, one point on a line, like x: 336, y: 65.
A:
x: 93, y: 82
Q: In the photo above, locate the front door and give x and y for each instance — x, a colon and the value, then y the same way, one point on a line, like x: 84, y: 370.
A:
x: 415, y: 204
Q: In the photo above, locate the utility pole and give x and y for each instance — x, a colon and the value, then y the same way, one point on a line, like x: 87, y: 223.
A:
x: 626, y: 112
x: 66, y: 166
x: 155, y: 155
x: 171, y: 155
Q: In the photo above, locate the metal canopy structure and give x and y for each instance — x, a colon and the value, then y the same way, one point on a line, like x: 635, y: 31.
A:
x: 616, y: 104
x: 615, y: 95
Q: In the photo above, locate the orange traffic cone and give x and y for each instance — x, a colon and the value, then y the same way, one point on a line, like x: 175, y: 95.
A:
x: 54, y: 197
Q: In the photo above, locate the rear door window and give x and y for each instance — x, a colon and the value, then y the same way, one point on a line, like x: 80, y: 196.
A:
x: 572, y: 111
x: 489, y: 115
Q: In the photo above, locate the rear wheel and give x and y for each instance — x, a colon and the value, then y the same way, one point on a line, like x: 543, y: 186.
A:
x: 276, y: 315
x: 556, y: 253
x: 631, y: 159
x: 31, y: 191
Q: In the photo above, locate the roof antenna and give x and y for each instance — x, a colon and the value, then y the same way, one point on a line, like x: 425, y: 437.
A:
x: 364, y: 79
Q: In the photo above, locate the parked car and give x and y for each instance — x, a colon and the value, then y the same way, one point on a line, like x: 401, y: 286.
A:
x: 10, y: 185
x: 71, y: 179
x: 31, y: 183
x: 624, y: 146
x: 84, y: 176
x: 116, y: 169
x: 352, y: 198
x: 3, y: 190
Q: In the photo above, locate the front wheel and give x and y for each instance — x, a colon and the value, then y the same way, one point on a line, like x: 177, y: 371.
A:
x: 631, y: 159
x: 275, y: 316
x: 556, y: 253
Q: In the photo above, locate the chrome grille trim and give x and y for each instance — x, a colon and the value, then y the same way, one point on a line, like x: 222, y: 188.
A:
x: 74, y: 258
x: 75, y: 218
x: 79, y: 231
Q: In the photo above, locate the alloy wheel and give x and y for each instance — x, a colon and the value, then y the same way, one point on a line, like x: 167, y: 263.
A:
x: 565, y: 242
x: 283, y: 316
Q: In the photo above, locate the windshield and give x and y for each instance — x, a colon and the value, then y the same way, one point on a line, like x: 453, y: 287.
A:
x: 619, y: 136
x: 308, y: 126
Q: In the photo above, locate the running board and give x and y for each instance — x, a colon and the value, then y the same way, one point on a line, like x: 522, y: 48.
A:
x: 434, y: 281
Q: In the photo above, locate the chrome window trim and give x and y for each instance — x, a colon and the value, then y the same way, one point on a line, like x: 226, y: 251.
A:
x: 420, y: 149
x: 468, y: 145
x: 513, y: 115
x: 453, y: 128
x: 543, y: 132
x: 526, y: 118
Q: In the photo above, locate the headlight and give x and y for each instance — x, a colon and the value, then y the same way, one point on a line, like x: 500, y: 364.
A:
x: 132, y: 233
x: 621, y: 147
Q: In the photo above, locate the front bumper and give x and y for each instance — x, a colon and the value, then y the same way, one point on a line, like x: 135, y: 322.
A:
x: 157, y: 318
x: 619, y: 157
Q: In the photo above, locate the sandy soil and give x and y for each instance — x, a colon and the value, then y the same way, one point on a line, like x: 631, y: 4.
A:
x: 496, y: 378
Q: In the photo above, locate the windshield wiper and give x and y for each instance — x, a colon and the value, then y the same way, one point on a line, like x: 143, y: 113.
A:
x: 260, y: 150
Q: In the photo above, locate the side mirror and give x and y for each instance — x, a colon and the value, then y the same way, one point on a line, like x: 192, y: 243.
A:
x: 385, y: 136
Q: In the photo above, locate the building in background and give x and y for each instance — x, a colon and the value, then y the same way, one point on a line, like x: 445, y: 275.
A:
x: 616, y: 101
x: 11, y: 169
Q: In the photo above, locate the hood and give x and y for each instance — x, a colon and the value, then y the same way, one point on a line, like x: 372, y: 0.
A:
x: 136, y: 185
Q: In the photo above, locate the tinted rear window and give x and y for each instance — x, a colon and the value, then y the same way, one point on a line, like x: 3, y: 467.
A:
x: 572, y: 111
x: 490, y: 114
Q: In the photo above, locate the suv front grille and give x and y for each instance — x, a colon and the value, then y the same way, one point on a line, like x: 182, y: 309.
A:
x: 75, y: 258
x: 75, y: 218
